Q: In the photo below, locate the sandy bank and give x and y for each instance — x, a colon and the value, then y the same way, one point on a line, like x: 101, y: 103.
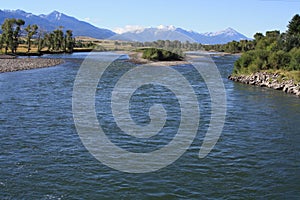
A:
x: 10, y: 65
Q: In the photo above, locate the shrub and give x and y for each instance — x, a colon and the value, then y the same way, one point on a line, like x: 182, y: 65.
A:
x: 279, y: 60
x: 253, y: 68
x: 295, y: 59
x: 243, y: 62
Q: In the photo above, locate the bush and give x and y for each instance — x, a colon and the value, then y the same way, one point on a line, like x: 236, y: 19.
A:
x: 246, y: 58
x: 237, y: 66
x: 253, y: 68
x: 279, y: 60
x: 295, y: 59
x: 257, y: 59
x: 260, y: 59
x: 243, y: 62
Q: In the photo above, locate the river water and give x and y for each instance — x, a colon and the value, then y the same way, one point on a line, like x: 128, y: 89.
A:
x: 42, y: 156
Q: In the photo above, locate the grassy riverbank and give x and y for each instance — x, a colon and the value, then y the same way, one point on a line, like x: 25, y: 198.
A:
x: 283, y: 75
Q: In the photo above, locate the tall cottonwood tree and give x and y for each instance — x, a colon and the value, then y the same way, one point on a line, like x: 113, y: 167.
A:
x: 31, y: 31
x: 7, y: 34
x: 10, y: 33
x: 16, y: 33
x: 1, y: 42
x: 69, y: 41
x: 58, y: 40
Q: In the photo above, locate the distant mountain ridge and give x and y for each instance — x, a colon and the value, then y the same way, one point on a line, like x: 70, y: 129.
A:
x: 55, y: 19
x: 173, y: 33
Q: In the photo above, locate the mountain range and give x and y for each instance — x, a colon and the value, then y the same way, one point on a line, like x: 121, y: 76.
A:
x: 172, y: 33
x: 56, y: 19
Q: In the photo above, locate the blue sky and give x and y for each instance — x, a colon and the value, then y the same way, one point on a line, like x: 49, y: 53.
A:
x: 247, y: 17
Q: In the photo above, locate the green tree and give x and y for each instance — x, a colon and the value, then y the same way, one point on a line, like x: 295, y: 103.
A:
x: 274, y: 35
x: 31, y: 31
x: 7, y: 34
x: 16, y: 33
x: 294, y: 25
x: 49, y: 41
x: 279, y: 59
x: 273, y: 51
x: 258, y: 36
x: 293, y: 33
x: 233, y: 47
x: 295, y: 59
x: 70, y: 42
x: 10, y: 33
x: 58, y: 40
x: 1, y: 42
x: 40, y: 40
x: 160, y: 55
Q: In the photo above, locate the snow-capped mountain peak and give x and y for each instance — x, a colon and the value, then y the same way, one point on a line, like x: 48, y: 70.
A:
x: 55, y: 15
x: 229, y: 32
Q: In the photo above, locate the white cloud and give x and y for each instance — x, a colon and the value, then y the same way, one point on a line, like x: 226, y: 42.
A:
x: 137, y: 28
x: 129, y: 28
x: 163, y: 27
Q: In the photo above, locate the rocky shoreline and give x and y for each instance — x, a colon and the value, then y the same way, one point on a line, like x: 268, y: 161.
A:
x: 17, y: 64
x: 270, y: 80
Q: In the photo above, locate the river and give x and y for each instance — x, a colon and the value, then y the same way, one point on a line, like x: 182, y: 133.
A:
x: 42, y: 156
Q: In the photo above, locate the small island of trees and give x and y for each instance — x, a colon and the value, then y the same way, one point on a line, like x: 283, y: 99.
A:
x: 156, y: 54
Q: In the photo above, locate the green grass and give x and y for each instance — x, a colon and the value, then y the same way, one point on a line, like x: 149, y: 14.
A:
x: 284, y: 75
x: 287, y: 75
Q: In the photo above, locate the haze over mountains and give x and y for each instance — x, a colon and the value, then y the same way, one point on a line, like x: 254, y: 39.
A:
x: 55, y: 19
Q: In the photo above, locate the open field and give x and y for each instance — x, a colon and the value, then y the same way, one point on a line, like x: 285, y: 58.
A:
x: 107, y: 45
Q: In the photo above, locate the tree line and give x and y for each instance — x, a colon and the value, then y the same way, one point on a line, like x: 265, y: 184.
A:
x: 232, y: 47
x: 274, y: 50
x: 13, y: 34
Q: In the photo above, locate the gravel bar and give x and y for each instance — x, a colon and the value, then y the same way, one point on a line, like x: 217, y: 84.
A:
x: 11, y: 65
